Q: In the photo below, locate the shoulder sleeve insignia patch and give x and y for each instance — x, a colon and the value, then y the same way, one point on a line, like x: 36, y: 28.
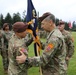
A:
x: 49, y: 47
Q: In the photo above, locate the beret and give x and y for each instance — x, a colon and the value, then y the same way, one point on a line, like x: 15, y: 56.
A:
x: 20, y: 27
x: 61, y: 22
x: 44, y: 16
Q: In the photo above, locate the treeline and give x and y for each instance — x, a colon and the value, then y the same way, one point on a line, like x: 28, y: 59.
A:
x: 11, y: 19
x: 74, y: 26
x: 17, y: 17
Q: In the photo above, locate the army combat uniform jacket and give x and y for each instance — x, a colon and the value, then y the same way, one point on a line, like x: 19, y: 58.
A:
x: 5, y: 36
x: 52, y: 60
x: 69, y: 44
x: 15, y: 45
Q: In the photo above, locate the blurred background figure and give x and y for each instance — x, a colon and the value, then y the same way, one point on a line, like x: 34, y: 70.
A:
x: 5, y: 35
x: 68, y: 41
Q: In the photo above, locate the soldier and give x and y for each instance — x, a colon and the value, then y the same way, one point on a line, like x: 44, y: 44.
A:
x: 68, y: 41
x: 5, y: 36
x: 52, y: 60
x: 0, y: 41
x: 17, y: 43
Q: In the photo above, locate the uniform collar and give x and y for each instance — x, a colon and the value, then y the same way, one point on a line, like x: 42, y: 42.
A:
x: 16, y: 36
x: 51, y: 33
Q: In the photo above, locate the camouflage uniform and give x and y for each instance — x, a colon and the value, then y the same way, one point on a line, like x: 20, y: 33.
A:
x: 0, y: 42
x: 52, y: 60
x: 4, y: 50
x: 16, y: 44
x: 69, y: 44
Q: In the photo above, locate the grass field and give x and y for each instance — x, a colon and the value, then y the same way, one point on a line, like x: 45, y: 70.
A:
x: 35, y: 70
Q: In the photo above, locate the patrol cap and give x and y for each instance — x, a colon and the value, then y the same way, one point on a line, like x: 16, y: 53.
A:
x: 5, y: 25
x: 44, y: 16
x: 20, y: 27
x: 61, y: 22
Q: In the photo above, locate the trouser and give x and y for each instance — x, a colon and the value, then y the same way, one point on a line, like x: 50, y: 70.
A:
x: 11, y: 73
x: 4, y: 54
x: 12, y: 70
x: 47, y: 72
x: 67, y: 62
x: 0, y: 49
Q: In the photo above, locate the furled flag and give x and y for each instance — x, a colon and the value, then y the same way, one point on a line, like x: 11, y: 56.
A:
x: 31, y: 15
x: 31, y: 19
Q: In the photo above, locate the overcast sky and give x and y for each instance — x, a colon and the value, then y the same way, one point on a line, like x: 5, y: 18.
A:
x: 62, y: 9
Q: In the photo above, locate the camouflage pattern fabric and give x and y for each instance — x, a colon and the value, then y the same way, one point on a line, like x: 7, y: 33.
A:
x: 52, y: 60
x: 4, y: 48
x: 69, y: 44
x: 15, y: 45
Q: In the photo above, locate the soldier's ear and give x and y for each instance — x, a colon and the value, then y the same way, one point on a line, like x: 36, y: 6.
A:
x: 50, y: 21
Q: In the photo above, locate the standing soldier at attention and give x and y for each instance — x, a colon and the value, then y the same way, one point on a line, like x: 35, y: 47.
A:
x: 68, y: 41
x: 5, y: 36
x: 52, y: 60
x: 17, y: 43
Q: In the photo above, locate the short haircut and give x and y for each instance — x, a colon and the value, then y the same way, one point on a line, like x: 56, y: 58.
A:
x: 50, y: 17
x: 5, y: 25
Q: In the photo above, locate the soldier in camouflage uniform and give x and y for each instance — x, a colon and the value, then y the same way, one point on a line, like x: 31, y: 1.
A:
x: 17, y: 43
x: 0, y: 41
x: 68, y: 41
x: 5, y: 36
x: 52, y: 60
